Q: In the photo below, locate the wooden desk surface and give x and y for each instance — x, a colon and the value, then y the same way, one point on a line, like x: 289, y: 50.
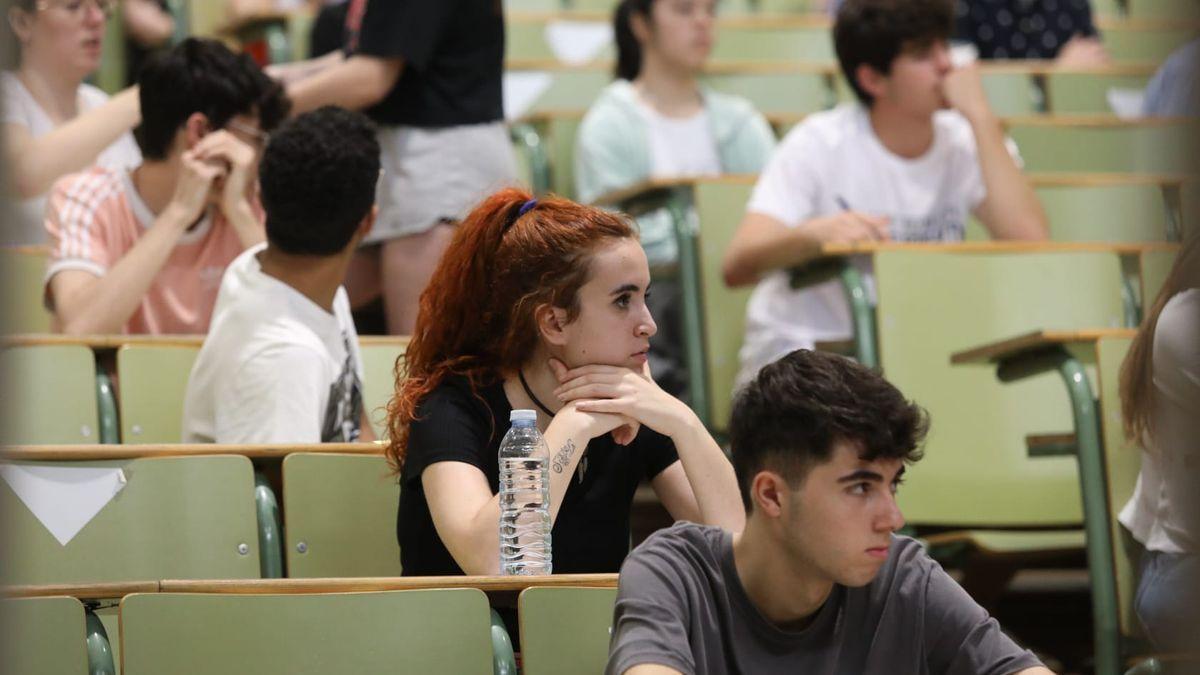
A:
x: 109, y: 342
x: 77, y: 453
x: 1124, y: 248
x: 102, y: 591
x: 1008, y: 347
x: 488, y: 584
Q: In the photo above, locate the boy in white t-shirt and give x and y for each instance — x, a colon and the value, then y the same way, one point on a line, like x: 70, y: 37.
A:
x: 281, y: 362
x: 899, y: 166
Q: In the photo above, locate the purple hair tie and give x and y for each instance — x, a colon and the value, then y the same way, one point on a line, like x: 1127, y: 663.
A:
x: 527, y: 207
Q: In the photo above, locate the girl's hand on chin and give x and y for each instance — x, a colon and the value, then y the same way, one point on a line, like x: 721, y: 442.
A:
x: 624, y: 434
x: 619, y: 390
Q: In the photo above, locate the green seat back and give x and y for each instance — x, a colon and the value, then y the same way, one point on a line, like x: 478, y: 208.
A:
x: 1122, y: 461
x: 1138, y: 43
x: 176, y: 518
x: 151, y: 387
x: 1155, y: 267
x: 720, y: 205
x: 777, y: 92
x: 341, y: 516
x: 1187, y: 10
x: 42, y: 636
x: 1085, y: 93
x: 379, y: 385
x: 976, y: 471
x: 1115, y: 213
x: 565, y: 631
x: 425, y: 631
x: 21, y: 309
x: 737, y: 44
x: 49, y: 395
x: 526, y: 39
x: 1150, y: 147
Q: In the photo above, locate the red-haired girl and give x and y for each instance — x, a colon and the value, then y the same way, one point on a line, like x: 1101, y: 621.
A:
x: 542, y: 305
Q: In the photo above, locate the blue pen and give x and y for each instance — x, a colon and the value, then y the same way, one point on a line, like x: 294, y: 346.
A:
x: 842, y: 203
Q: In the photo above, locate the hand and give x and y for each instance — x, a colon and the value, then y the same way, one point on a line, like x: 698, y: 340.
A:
x: 847, y: 227
x: 963, y: 91
x: 1082, y: 52
x: 617, y: 390
x: 222, y: 148
x: 192, y: 187
x: 622, y: 434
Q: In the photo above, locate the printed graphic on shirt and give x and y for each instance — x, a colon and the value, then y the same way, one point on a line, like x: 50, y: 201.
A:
x: 943, y: 225
x: 344, y: 410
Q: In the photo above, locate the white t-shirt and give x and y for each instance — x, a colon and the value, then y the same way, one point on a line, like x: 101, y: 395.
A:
x: 1164, y: 512
x: 680, y: 146
x: 275, y: 367
x: 21, y: 108
x: 833, y: 161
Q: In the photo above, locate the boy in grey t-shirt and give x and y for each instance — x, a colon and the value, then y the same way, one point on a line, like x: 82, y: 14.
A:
x: 817, y: 582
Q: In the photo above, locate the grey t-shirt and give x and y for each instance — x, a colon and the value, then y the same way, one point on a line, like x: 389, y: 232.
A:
x: 681, y: 604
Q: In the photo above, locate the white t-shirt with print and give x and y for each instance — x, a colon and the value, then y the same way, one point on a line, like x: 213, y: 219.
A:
x: 275, y: 367
x: 20, y: 108
x: 834, y: 161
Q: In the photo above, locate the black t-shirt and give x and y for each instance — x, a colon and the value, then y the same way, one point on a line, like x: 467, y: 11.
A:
x: 591, y: 533
x: 1022, y: 29
x: 453, y: 53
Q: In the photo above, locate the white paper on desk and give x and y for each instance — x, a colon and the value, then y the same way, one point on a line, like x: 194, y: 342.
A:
x: 577, y: 42
x: 63, y: 498
x: 1126, y: 103
x: 522, y: 89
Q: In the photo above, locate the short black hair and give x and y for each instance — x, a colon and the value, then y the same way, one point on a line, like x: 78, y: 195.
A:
x: 875, y: 32
x: 202, y: 76
x: 794, y: 411
x: 318, y: 177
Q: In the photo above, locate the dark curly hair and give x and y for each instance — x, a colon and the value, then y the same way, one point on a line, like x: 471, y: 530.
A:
x: 875, y: 32
x: 202, y: 76
x: 789, y: 417
x: 318, y: 177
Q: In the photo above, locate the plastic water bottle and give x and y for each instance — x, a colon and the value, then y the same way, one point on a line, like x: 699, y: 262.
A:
x: 524, y: 497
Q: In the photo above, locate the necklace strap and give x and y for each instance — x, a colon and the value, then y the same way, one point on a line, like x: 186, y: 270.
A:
x: 529, y: 393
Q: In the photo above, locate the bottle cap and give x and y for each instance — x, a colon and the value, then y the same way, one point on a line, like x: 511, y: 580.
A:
x: 523, y: 416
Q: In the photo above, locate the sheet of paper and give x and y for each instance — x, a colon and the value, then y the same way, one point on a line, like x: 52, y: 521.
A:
x: 63, y: 498
x: 522, y: 89
x: 1126, y: 103
x: 578, y: 42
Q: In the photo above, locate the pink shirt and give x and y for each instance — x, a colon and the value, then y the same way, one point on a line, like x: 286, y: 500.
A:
x: 95, y: 217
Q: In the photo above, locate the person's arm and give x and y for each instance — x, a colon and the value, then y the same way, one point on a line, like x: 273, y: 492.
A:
x: 1039, y: 670
x: 84, y: 303
x: 146, y: 22
x: 763, y: 243
x: 356, y: 83
x: 1010, y: 210
x: 294, y: 71
x: 651, y: 669
x: 711, y: 490
x: 366, y: 433
x: 37, y: 162
x: 467, y: 515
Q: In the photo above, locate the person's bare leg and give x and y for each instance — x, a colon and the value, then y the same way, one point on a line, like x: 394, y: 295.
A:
x: 364, y: 278
x: 407, y: 264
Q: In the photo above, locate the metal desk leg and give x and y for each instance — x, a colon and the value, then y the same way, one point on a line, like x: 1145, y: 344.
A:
x: 530, y: 139
x: 862, y: 314
x: 270, y: 533
x: 99, y: 649
x: 689, y: 284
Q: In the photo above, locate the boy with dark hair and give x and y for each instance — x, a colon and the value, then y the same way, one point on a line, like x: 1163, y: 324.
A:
x: 817, y: 582
x: 281, y: 362
x: 142, y: 251
x: 898, y: 165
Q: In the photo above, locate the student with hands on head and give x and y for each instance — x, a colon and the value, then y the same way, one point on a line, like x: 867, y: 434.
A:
x: 542, y: 305
x: 143, y: 251
x: 919, y: 153
x: 817, y: 581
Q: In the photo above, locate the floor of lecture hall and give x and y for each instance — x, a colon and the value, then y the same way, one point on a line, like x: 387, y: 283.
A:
x: 1047, y: 610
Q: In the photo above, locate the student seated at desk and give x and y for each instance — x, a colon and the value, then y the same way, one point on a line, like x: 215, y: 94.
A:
x: 658, y: 121
x: 817, y: 582
x: 897, y: 166
x: 1160, y: 403
x: 542, y: 305
x: 142, y: 251
x: 280, y: 362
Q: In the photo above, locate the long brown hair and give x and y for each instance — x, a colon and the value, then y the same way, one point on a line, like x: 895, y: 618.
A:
x: 476, y: 317
x: 1137, y: 371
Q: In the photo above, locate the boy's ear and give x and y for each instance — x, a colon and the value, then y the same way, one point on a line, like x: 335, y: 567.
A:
x: 769, y: 493
x: 195, y: 127
x: 870, y: 80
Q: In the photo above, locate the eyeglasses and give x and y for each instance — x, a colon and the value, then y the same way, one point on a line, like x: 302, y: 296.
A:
x: 257, y: 137
x: 77, y: 8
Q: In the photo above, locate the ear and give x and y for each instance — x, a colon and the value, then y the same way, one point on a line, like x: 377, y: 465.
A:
x: 21, y: 23
x: 368, y: 222
x: 768, y: 492
x: 872, y: 81
x: 640, y: 25
x: 552, y: 324
x: 195, y: 127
